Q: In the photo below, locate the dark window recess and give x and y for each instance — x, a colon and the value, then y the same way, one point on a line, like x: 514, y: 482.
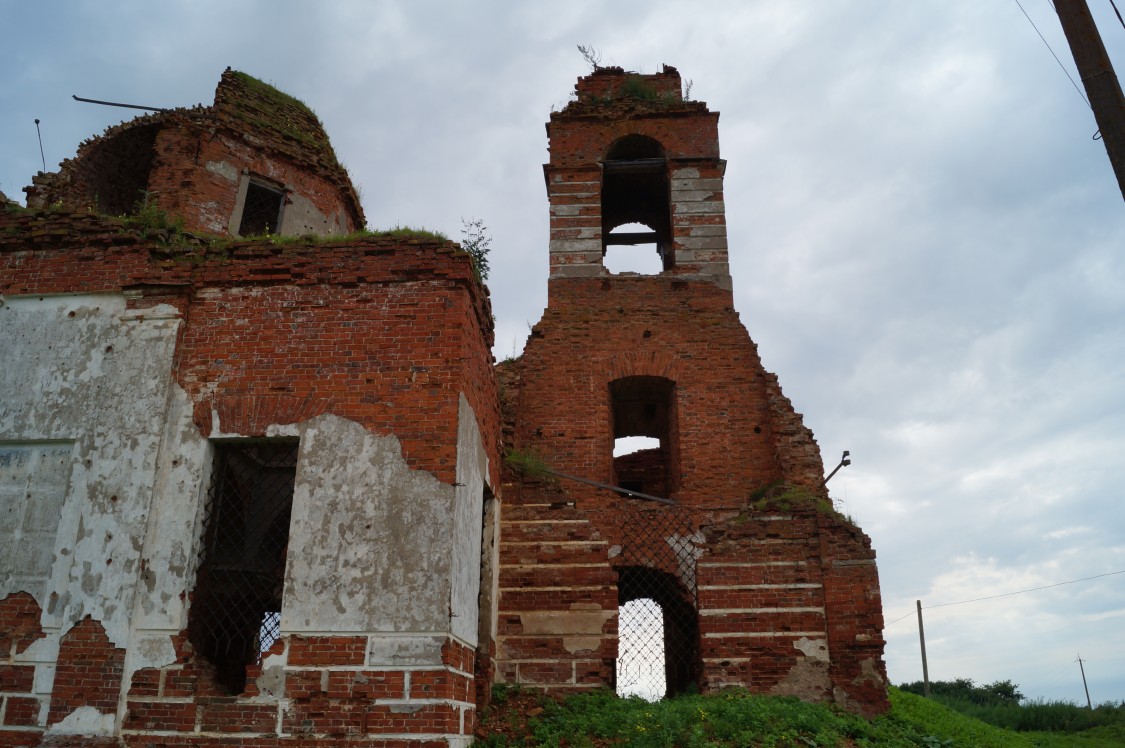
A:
x: 261, y: 211
x: 635, y: 190
x: 643, y: 406
x: 236, y: 606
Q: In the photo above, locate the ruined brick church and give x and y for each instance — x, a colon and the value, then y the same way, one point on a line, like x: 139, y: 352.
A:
x: 262, y: 483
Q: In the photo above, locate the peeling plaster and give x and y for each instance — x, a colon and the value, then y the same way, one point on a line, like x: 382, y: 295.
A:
x: 808, y: 679
x: 814, y: 649
x: 369, y: 536
x: 566, y: 622
x: 869, y: 671
x: 85, y: 720
x: 576, y: 644
x: 688, y: 549
x: 404, y: 651
x: 468, y: 515
x: 84, y: 368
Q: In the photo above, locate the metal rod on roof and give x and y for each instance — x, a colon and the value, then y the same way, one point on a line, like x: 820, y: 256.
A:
x: 41, y: 156
x: 126, y: 106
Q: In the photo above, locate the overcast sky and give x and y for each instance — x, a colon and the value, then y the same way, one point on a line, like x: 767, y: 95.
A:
x: 926, y: 242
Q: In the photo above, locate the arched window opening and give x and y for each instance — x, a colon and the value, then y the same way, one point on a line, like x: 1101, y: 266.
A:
x: 657, y: 635
x: 630, y: 249
x: 645, y: 446
x: 635, y: 191
x: 114, y: 174
x: 640, y: 650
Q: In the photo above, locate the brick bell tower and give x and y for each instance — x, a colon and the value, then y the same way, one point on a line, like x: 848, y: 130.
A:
x: 711, y: 556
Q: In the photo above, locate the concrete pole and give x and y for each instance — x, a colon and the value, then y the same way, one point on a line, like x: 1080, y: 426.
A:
x: 925, y: 666
x: 1098, y: 78
x: 1083, y: 671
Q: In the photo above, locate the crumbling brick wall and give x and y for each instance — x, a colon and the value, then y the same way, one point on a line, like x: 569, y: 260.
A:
x: 193, y: 163
x: 389, y: 333
x: 760, y: 582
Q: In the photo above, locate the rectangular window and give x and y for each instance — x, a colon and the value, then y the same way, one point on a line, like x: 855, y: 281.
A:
x: 236, y: 605
x: 261, y: 210
x: 646, y: 449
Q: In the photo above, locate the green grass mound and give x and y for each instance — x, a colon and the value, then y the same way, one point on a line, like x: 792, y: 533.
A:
x: 738, y: 718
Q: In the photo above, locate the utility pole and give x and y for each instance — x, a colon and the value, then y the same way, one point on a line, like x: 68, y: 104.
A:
x: 1098, y: 78
x: 1083, y: 671
x: 925, y: 667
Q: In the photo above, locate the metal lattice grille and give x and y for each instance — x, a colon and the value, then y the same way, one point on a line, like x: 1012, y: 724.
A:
x: 261, y: 210
x: 236, y: 606
x: 658, y: 627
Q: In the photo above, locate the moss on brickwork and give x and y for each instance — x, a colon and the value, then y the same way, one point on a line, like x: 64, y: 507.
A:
x: 265, y: 107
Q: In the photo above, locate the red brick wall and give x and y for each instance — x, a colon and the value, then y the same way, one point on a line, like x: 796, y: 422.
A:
x: 596, y: 330
x: 275, y: 334
x: 330, y: 695
x: 772, y: 582
x: 182, y: 153
x: 251, y: 127
x: 19, y: 707
x: 606, y: 82
x: 786, y: 596
x: 578, y: 141
x: 282, y: 333
x: 88, y: 673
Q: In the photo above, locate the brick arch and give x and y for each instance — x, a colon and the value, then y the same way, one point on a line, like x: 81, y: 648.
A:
x: 675, y: 145
x: 251, y: 415
x: 645, y: 363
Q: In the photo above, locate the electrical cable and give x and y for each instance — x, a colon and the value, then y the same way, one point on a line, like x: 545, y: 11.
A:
x: 1115, y: 10
x: 1008, y: 594
x: 1076, y: 88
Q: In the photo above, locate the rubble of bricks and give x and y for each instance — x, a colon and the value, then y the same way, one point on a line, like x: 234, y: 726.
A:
x: 761, y: 583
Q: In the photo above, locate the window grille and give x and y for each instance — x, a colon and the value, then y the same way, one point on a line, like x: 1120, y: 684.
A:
x: 261, y: 210
x: 236, y: 607
x: 658, y: 620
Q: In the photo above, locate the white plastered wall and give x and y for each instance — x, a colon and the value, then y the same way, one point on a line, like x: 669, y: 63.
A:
x: 84, y: 370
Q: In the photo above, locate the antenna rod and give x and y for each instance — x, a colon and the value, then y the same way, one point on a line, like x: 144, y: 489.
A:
x: 41, y: 156
x: 126, y: 106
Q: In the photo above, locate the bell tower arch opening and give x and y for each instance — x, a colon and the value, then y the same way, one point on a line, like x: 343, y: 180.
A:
x: 636, y: 207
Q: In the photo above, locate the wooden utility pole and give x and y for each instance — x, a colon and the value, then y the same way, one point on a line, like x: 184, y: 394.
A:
x: 1098, y: 78
x: 1083, y: 671
x: 925, y: 667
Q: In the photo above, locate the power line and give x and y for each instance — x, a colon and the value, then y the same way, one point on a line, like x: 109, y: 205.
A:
x: 1076, y: 88
x: 1115, y: 10
x: 1008, y: 594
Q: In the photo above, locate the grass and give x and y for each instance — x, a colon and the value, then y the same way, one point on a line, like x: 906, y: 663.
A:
x: 1001, y: 704
x: 528, y: 465
x: 738, y: 718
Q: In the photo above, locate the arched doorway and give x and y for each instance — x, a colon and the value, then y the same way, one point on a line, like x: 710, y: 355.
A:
x: 658, y: 634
